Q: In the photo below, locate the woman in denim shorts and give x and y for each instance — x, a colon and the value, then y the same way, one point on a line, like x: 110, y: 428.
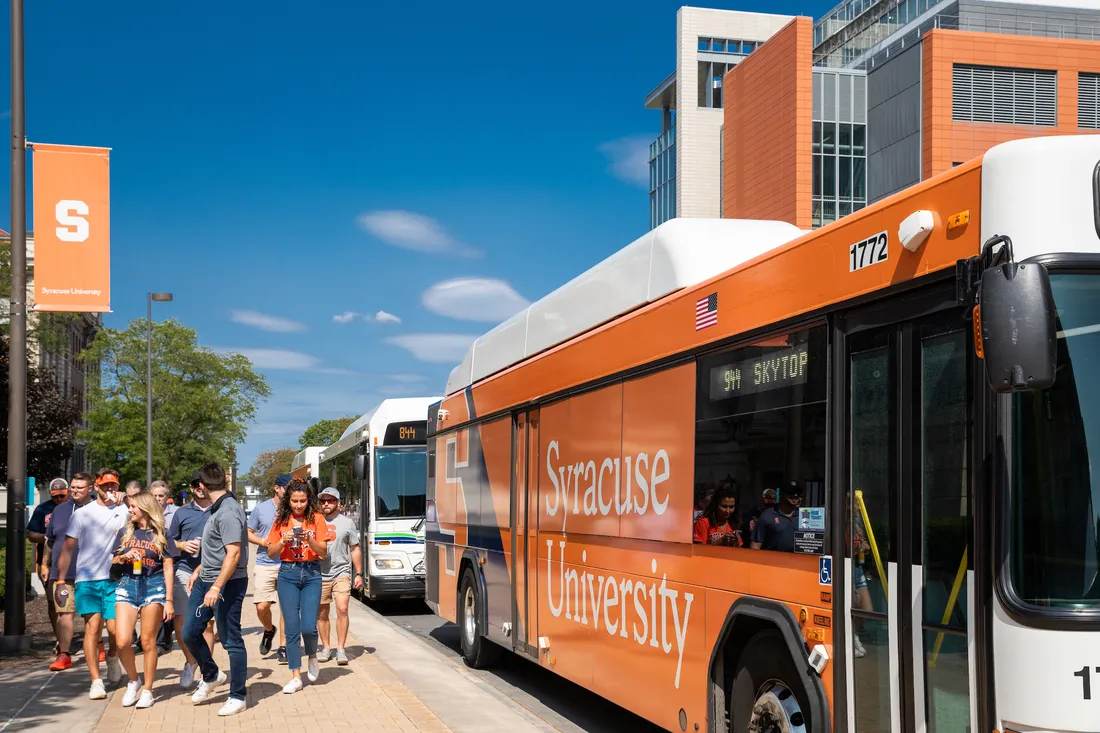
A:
x: 143, y: 560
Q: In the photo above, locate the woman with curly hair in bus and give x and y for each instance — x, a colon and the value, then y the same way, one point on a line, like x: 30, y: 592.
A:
x: 299, y: 539
x: 720, y: 523
x: 142, y: 561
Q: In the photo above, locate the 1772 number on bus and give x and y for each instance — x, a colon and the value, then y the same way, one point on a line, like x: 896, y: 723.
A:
x: 870, y: 251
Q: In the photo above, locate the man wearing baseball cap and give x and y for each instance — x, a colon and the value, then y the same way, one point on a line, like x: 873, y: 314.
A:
x: 776, y: 526
x: 36, y: 533
x: 93, y: 531
x: 60, y: 594
x: 336, y: 576
x: 264, y: 593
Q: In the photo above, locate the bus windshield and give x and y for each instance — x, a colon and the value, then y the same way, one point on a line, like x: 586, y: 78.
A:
x: 400, y: 481
x: 1055, y: 537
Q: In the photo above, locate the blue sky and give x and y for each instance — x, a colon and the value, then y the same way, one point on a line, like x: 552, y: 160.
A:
x: 311, y: 186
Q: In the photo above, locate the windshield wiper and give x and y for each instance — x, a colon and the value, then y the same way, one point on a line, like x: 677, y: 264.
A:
x: 419, y: 525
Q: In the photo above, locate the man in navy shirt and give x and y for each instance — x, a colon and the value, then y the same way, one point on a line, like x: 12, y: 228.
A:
x: 36, y: 533
x: 775, y: 528
x: 186, y: 531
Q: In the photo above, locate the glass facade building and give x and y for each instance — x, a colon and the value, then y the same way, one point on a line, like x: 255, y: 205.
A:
x: 839, y: 144
x: 662, y: 178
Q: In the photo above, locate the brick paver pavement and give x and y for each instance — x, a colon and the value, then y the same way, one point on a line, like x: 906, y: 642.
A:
x: 362, y: 696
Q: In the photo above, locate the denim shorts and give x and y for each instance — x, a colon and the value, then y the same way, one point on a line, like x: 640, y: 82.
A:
x: 859, y: 578
x: 140, y: 591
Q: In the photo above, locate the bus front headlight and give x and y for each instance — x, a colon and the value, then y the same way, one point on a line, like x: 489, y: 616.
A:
x: 383, y: 563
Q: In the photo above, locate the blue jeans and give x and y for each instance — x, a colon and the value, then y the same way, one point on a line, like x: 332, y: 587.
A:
x: 299, y: 600
x: 228, y: 614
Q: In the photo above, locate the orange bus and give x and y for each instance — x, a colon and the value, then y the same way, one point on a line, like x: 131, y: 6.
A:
x: 744, y: 477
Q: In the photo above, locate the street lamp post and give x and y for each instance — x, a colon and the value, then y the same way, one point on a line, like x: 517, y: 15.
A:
x: 160, y: 298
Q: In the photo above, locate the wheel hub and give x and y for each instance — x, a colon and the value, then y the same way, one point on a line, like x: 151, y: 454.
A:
x: 776, y: 710
x: 469, y: 616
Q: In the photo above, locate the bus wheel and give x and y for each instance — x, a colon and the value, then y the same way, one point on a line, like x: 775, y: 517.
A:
x: 477, y: 651
x: 766, y: 696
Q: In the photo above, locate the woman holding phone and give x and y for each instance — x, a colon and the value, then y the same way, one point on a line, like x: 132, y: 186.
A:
x: 299, y: 539
x: 142, y: 562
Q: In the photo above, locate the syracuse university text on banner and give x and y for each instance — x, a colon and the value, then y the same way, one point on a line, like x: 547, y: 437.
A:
x: 72, y: 229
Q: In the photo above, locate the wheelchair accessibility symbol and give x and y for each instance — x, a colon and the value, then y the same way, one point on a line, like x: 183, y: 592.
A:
x: 825, y: 571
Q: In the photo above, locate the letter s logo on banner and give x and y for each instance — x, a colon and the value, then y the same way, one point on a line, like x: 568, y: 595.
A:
x: 72, y: 226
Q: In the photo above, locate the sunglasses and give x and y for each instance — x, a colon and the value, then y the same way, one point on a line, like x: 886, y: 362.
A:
x: 330, y: 500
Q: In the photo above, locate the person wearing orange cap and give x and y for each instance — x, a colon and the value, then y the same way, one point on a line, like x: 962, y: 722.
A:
x: 93, y: 531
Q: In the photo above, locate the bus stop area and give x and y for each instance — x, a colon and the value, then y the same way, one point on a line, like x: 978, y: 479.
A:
x: 394, y: 682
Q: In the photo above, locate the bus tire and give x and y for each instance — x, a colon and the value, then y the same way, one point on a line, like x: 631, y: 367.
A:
x: 766, y: 685
x: 477, y: 651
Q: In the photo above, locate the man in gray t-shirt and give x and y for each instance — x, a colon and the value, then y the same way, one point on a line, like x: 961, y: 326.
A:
x: 337, y: 579
x: 218, y: 587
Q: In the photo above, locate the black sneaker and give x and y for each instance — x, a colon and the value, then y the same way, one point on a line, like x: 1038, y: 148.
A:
x: 265, y: 642
x: 282, y: 655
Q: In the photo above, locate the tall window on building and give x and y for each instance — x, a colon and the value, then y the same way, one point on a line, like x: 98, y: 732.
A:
x: 1004, y: 95
x: 1088, y: 101
x: 839, y: 145
x: 662, y: 178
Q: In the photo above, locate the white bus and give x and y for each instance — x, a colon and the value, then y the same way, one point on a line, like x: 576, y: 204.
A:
x: 307, y: 463
x: 379, y: 466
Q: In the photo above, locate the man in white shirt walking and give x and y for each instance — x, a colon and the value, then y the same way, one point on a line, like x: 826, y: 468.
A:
x: 93, y: 531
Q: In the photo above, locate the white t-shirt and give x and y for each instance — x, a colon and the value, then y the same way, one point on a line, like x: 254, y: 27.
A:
x: 95, y: 529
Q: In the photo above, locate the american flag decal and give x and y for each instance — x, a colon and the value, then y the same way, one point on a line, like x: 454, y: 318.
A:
x: 706, y: 312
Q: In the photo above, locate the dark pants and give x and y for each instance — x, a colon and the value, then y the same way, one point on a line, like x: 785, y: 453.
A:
x: 299, y: 600
x: 227, y: 611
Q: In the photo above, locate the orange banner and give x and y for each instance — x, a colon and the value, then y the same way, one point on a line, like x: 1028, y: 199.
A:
x: 72, y: 229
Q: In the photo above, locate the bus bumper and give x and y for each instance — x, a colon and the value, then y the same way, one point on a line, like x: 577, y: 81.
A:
x: 396, y: 586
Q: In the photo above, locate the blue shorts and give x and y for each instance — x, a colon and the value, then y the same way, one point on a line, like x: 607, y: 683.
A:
x: 140, y: 591
x: 859, y: 578
x: 96, y: 597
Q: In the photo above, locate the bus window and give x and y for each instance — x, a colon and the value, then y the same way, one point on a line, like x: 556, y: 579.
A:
x: 760, y: 445
x: 400, y: 482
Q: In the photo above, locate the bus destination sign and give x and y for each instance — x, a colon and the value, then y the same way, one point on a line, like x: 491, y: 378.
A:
x: 406, y: 433
x: 770, y: 371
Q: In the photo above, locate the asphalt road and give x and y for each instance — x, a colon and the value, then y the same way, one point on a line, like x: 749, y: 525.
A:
x: 560, y: 703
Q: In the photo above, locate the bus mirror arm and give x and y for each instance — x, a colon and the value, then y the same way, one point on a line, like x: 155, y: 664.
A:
x: 1015, y: 325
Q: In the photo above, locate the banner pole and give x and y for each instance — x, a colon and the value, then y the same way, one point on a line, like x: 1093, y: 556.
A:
x: 15, y: 639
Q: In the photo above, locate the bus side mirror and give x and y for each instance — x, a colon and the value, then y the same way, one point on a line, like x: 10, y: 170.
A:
x: 1018, y: 327
x: 359, y: 468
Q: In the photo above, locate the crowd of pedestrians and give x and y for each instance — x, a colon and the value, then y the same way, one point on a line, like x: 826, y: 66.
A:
x: 139, y: 568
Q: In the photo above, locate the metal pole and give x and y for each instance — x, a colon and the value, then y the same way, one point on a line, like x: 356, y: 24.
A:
x: 149, y: 392
x: 15, y: 621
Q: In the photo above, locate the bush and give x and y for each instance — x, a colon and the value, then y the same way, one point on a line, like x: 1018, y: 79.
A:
x: 4, y: 570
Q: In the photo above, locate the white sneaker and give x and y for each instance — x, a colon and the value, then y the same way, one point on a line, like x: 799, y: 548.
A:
x: 857, y: 648
x: 97, y: 691
x: 324, y: 655
x: 146, y: 700
x: 293, y: 686
x: 232, y: 706
x: 114, y: 669
x: 133, y: 690
x: 187, y: 677
x: 313, y: 670
x: 205, y: 688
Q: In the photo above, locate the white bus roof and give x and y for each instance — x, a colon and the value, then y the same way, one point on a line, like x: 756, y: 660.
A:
x: 382, y: 414
x: 306, y: 456
x: 677, y: 254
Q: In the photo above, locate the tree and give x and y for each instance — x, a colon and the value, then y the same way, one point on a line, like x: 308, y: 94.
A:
x: 202, y: 401
x: 268, y: 465
x: 51, y: 420
x: 325, y: 432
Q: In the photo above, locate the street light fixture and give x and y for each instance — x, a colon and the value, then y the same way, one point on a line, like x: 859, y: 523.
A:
x: 160, y: 298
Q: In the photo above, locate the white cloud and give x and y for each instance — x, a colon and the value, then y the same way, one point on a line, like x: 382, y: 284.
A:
x: 439, y: 348
x: 265, y: 322
x: 416, y: 232
x: 629, y: 158
x: 384, y: 317
x: 474, y: 299
x: 407, y: 378
x: 274, y: 358
x: 345, y: 317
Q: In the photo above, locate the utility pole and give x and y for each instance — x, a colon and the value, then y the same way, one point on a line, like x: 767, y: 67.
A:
x: 16, y: 641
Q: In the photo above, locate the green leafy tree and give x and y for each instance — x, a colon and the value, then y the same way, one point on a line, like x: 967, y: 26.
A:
x: 52, y: 420
x: 325, y: 432
x: 268, y: 465
x: 202, y: 401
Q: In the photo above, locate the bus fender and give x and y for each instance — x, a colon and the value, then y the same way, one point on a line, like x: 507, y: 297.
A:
x: 783, y: 620
x: 470, y: 557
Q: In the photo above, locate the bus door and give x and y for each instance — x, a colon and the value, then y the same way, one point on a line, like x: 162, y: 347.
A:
x: 906, y: 484
x: 524, y: 519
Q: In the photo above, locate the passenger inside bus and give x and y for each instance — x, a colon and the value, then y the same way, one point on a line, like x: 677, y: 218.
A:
x: 720, y: 523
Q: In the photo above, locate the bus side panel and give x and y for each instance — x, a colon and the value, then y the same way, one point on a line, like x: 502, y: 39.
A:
x: 495, y: 531
x: 636, y: 639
